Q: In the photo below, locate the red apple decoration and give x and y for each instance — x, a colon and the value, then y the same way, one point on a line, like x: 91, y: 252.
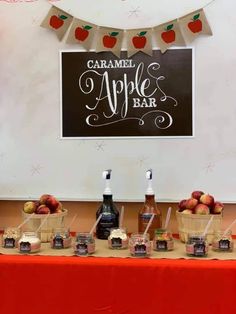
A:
x: 110, y: 40
x: 217, y: 208
x: 42, y: 209
x: 197, y: 194
x: 57, y: 21
x: 81, y: 33
x: 202, y: 209
x: 196, y: 25
x: 169, y: 35
x: 207, y: 199
x: 140, y: 40
x: 191, y: 203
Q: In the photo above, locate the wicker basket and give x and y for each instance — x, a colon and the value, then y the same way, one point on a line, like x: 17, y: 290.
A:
x: 191, y: 223
x: 53, y: 221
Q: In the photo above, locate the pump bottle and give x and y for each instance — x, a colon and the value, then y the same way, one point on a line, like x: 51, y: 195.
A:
x: 149, y: 208
x: 110, y: 214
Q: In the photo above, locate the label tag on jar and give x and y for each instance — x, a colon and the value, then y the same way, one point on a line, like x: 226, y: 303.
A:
x: 58, y: 242
x: 161, y: 245
x: 224, y: 244
x: 140, y: 250
x: 199, y: 249
x: 9, y: 243
x: 25, y: 247
x: 81, y: 249
x: 116, y: 242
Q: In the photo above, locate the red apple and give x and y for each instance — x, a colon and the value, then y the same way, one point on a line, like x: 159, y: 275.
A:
x: 42, y: 209
x: 217, y: 208
x: 30, y: 207
x: 169, y: 35
x: 59, y: 208
x: 140, y: 40
x: 207, y: 199
x: 57, y: 21
x: 197, y: 194
x: 81, y: 33
x: 43, y: 198
x: 182, y: 205
x: 196, y: 25
x: 202, y: 209
x: 191, y: 203
x: 52, y: 203
x: 110, y: 40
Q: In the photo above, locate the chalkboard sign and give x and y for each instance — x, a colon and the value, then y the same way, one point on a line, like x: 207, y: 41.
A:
x: 143, y: 96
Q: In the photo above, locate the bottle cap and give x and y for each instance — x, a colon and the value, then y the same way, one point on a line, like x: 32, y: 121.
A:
x: 107, y: 176
x: 149, y: 190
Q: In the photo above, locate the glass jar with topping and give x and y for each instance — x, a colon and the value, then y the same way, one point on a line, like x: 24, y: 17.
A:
x: 84, y: 244
x: 61, y: 238
x: 197, y: 245
x: 118, y: 238
x: 10, y: 237
x: 29, y: 242
x: 163, y: 240
x: 223, y: 241
x: 140, y: 245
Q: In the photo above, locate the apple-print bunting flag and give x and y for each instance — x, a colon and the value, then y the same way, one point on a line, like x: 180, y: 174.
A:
x: 109, y: 39
x: 81, y: 32
x: 195, y: 24
x: 57, y: 20
x: 139, y: 39
x: 168, y: 34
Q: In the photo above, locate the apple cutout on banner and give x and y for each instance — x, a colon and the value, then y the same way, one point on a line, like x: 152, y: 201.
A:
x: 169, y: 35
x: 140, y: 40
x: 109, y: 41
x: 196, y: 25
x: 81, y: 33
x: 57, y: 21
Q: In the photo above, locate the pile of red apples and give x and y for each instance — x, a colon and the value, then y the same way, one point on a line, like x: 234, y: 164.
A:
x: 47, y: 204
x: 200, y: 203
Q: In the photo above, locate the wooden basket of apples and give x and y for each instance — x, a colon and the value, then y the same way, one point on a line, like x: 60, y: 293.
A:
x: 194, y: 213
x: 47, y: 204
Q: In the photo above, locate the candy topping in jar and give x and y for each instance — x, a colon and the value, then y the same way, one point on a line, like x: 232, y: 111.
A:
x: 223, y: 241
x: 10, y: 237
x: 163, y: 240
x: 61, y: 238
x: 29, y: 242
x: 84, y: 244
x: 196, y: 245
x: 140, y: 245
x: 118, y: 239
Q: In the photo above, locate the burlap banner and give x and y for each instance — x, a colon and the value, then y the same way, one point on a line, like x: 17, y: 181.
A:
x: 109, y: 39
x: 168, y: 34
x: 81, y: 32
x: 194, y: 24
x: 139, y: 39
x: 57, y: 20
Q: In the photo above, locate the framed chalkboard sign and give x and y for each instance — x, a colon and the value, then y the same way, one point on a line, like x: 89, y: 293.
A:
x: 103, y: 96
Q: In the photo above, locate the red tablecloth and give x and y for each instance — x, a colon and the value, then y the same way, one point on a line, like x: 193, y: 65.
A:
x: 60, y: 285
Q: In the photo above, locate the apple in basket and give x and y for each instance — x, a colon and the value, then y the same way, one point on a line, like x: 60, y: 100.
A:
x: 30, y: 207
x: 47, y: 204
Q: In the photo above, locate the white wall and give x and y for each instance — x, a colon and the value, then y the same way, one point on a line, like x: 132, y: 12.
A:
x: 33, y: 160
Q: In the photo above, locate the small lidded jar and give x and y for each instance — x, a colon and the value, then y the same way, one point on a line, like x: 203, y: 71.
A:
x: 29, y: 242
x: 163, y: 240
x: 223, y: 241
x: 10, y: 237
x: 196, y: 245
x: 140, y: 245
x: 84, y: 244
x: 61, y: 238
x: 118, y: 238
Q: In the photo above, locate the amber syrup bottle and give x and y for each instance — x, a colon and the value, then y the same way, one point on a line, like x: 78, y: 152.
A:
x: 148, y: 209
